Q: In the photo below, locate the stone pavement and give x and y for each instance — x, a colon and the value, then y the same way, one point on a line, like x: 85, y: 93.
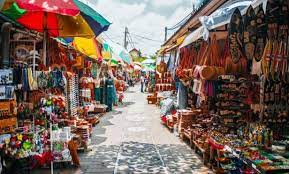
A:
x: 131, y: 139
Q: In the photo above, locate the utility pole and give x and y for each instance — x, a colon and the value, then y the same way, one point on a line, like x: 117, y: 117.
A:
x: 125, y: 37
x: 166, y: 33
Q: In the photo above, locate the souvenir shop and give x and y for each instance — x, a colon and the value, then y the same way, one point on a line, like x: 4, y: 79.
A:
x: 231, y: 102
x: 47, y: 98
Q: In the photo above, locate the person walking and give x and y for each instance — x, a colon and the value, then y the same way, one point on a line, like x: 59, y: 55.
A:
x: 142, y: 81
x: 147, y: 80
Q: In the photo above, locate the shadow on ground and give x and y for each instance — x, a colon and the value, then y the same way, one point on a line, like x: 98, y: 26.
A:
x: 125, y: 104
x: 130, y: 92
x: 134, y: 157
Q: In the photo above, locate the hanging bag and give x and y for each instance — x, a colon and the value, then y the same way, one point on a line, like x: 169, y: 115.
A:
x: 200, y: 59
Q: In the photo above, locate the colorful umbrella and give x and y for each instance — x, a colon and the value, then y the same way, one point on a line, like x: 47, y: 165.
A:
x: 106, y: 51
x: 148, y: 61
x: 60, y: 18
x: 125, y: 56
x: 121, y: 52
x: 89, y: 47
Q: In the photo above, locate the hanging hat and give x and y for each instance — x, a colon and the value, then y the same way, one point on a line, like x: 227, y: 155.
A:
x: 21, y: 52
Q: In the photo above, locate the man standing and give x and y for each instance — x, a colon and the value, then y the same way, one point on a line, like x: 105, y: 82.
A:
x: 142, y: 81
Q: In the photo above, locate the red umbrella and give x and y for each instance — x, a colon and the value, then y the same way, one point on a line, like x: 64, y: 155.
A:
x: 63, y: 7
x: 41, y: 15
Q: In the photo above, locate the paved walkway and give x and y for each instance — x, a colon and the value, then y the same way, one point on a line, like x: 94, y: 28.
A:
x: 131, y: 139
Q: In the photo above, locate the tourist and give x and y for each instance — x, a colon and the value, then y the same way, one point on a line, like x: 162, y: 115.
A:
x: 142, y: 81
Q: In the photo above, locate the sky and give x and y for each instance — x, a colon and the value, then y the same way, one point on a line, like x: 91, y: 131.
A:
x: 146, y: 18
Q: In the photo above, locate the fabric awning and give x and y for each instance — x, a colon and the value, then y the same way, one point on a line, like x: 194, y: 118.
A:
x: 194, y: 36
x: 222, y: 16
x: 256, y: 3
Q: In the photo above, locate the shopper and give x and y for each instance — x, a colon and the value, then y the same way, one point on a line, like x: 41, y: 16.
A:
x: 147, y: 79
x: 142, y: 81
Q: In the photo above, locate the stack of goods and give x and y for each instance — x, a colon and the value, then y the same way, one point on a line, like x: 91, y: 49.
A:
x: 152, y: 99
x: 83, y: 113
x: 99, y: 108
x: 231, y: 106
x: 165, y: 83
x: 201, y: 128
x: 185, y: 120
x: 84, y: 132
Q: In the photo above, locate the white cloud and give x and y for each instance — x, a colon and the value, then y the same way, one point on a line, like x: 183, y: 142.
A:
x: 162, y: 3
x: 141, y: 18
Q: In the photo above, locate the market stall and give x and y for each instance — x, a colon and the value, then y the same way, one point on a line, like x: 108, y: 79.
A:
x: 231, y: 102
x: 47, y: 83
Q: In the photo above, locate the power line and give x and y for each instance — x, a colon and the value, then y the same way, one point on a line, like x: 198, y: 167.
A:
x: 108, y: 37
x: 143, y: 37
x: 130, y: 39
x: 180, y: 23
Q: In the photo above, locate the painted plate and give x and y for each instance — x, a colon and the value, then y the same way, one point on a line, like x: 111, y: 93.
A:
x: 261, y: 34
x: 236, y: 36
x: 250, y: 33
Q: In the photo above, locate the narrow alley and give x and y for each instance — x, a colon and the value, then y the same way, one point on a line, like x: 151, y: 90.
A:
x: 131, y: 139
